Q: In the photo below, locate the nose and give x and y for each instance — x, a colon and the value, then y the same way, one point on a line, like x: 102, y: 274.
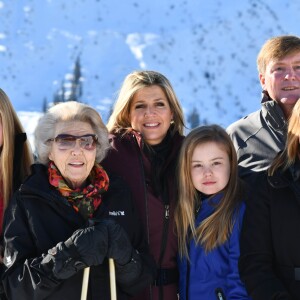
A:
x: 207, y: 171
x: 77, y: 148
x: 150, y: 111
x: 290, y: 74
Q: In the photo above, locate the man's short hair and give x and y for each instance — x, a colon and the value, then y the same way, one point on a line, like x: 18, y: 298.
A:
x: 276, y: 48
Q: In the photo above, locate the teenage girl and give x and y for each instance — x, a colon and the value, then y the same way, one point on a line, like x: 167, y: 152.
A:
x: 209, y: 217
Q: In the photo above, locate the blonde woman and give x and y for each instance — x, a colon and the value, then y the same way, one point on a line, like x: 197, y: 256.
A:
x: 209, y: 216
x: 147, y: 131
x: 270, y: 250
x: 16, y: 156
x: 15, y: 160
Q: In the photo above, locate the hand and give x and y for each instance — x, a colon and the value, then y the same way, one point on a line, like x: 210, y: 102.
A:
x: 86, y: 247
x: 119, y: 246
x: 90, y: 243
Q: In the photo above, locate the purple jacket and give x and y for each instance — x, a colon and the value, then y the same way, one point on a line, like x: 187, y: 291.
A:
x: 128, y: 160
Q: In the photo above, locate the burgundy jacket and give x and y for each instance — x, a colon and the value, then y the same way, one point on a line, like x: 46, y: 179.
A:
x: 127, y: 159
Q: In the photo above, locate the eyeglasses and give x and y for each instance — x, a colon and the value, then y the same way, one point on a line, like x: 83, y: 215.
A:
x: 68, y: 141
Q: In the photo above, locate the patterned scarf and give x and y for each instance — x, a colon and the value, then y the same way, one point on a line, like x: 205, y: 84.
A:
x: 84, y: 200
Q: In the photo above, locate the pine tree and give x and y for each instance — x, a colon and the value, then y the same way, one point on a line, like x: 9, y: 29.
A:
x: 75, y: 93
x: 76, y: 83
x: 59, y: 96
x: 193, y: 118
x: 45, y: 105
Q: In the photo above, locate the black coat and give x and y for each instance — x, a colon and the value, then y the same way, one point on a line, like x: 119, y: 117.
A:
x: 270, y: 245
x: 20, y: 139
x: 38, y: 218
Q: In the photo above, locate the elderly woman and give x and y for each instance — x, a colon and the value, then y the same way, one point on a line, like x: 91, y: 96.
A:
x: 58, y: 221
x: 147, y: 132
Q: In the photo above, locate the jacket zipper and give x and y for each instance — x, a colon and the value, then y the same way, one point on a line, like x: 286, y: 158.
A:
x: 146, y: 199
x: 220, y: 294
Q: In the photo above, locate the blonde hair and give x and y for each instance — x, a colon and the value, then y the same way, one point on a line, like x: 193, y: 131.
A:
x: 215, y: 229
x: 11, y: 126
x: 277, y: 48
x: 120, y: 117
x: 67, y: 112
x: 291, y: 150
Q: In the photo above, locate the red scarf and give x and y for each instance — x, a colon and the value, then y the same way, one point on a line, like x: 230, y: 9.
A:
x: 84, y: 200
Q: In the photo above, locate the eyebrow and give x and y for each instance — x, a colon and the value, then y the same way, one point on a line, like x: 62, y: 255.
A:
x: 283, y: 63
x: 155, y: 100
x: 216, y: 158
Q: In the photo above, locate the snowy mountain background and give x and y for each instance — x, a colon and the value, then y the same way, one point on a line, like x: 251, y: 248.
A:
x: 207, y: 49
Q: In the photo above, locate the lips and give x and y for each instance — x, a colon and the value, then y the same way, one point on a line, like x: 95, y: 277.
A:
x: 290, y: 88
x: 76, y: 164
x: 151, y: 125
x: 209, y: 182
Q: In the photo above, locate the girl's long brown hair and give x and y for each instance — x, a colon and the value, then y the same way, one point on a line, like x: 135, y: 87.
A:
x: 215, y: 229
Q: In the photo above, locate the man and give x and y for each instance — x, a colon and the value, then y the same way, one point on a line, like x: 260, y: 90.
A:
x: 259, y: 136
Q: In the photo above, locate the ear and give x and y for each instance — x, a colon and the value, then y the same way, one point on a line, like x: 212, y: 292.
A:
x: 262, y: 80
x: 50, y: 156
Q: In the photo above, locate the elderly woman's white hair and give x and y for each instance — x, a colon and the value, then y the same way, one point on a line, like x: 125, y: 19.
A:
x: 66, y: 112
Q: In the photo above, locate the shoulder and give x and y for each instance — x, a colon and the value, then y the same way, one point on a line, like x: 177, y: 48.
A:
x: 116, y: 183
x: 38, y: 176
x: 118, y: 193
x: 122, y: 144
x: 247, y: 125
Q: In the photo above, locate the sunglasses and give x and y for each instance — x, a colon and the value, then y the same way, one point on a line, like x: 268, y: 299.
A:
x: 68, y: 141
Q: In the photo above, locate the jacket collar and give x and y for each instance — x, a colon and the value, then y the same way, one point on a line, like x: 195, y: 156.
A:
x: 273, y: 113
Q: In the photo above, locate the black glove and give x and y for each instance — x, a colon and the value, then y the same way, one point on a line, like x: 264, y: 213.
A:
x: 90, y: 244
x: 86, y: 247
x: 119, y: 246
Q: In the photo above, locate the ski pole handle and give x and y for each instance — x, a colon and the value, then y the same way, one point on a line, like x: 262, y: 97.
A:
x: 85, y: 283
x: 112, y: 278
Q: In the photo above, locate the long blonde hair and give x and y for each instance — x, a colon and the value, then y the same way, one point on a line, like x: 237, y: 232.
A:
x: 215, y: 229
x: 11, y: 126
x: 120, y: 117
x: 291, y: 150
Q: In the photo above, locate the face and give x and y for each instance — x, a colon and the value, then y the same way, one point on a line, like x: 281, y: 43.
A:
x: 74, y: 164
x: 210, y: 168
x: 282, y: 81
x: 150, y: 114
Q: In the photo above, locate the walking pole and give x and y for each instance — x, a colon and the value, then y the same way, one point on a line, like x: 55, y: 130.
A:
x: 112, y: 278
x: 85, y: 283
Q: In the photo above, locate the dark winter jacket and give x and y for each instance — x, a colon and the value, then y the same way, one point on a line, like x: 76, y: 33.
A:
x: 38, y: 218
x: 207, y: 274
x: 258, y: 137
x: 20, y: 139
x: 128, y: 158
x: 270, y: 249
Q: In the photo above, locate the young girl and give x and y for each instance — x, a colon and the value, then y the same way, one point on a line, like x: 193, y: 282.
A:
x: 209, y: 217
